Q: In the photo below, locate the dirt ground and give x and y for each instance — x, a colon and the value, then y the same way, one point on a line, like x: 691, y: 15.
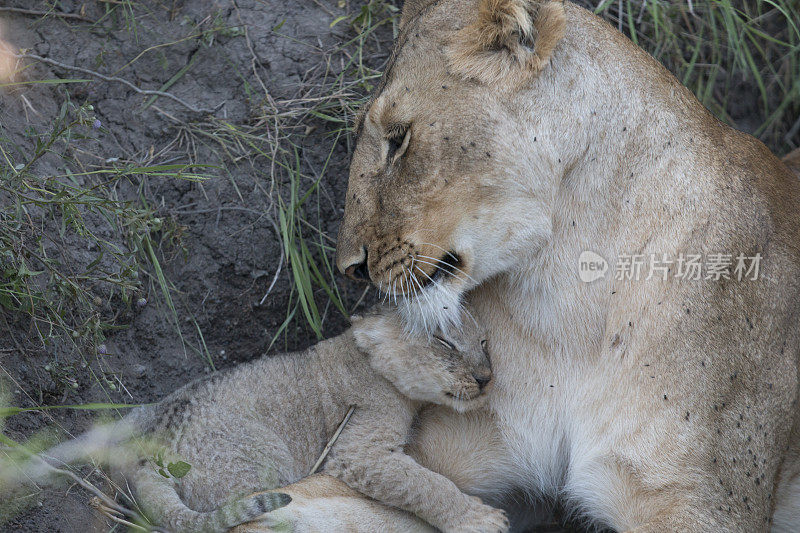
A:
x: 232, y: 250
x: 229, y: 253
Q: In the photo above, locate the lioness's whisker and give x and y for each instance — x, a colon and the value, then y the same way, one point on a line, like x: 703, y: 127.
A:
x: 420, y: 289
x: 422, y: 313
x: 466, y: 312
x: 418, y: 230
x: 385, y: 295
x: 437, y: 266
x: 427, y: 276
x: 391, y: 286
x: 443, y: 262
x: 447, y: 252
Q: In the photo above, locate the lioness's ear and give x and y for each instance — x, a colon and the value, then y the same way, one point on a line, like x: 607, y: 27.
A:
x: 412, y: 8
x: 509, y: 40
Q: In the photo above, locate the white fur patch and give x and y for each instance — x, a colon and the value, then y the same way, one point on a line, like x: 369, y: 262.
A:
x: 437, y: 306
x: 787, y: 508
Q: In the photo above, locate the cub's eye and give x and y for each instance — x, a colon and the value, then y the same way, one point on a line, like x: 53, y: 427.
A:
x: 445, y: 343
x: 397, y: 138
x: 483, y: 344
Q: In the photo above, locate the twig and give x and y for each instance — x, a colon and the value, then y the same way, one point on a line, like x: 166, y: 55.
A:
x: 274, y: 279
x: 253, y: 56
x: 104, y: 501
x: 361, y: 298
x: 111, y: 514
x: 792, y: 131
x: 128, y: 84
x: 33, y: 12
x: 83, y: 483
x: 333, y: 440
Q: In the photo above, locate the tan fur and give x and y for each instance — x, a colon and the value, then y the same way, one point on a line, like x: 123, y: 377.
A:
x: 644, y: 405
x: 523, y: 32
x: 263, y: 424
x: 411, y: 9
x: 792, y: 160
x: 476, y: 461
x: 323, y: 504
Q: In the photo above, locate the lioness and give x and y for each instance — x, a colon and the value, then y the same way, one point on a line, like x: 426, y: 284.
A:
x: 506, y: 139
x: 263, y: 424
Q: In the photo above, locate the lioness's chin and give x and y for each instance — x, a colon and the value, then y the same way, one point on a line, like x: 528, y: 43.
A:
x: 437, y: 305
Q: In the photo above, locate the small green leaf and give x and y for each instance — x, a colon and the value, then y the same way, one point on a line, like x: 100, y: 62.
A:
x: 337, y: 20
x: 163, y: 474
x: 179, y: 469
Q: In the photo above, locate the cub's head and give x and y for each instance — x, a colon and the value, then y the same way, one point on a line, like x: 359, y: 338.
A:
x: 450, y: 368
x: 439, y: 196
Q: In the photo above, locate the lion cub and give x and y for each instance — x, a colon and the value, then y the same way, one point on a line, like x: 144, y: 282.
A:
x: 264, y: 424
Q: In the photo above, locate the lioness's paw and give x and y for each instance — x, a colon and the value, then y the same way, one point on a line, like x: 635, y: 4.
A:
x: 480, y: 518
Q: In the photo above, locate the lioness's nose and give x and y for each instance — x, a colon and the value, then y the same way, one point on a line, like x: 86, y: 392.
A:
x: 358, y: 272
x: 354, y: 264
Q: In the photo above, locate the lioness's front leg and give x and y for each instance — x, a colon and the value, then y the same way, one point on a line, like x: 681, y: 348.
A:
x: 369, y: 457
x: 323, y: 504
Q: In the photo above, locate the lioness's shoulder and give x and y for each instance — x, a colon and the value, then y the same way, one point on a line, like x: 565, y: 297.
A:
x: 792, y: 160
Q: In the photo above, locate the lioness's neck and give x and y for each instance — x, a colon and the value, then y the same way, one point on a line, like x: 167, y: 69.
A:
x: 622, y: 144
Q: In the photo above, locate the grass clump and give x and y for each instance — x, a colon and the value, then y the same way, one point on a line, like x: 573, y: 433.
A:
x: 69, y: 244
x: 740, y: 57
x: 273, y: 144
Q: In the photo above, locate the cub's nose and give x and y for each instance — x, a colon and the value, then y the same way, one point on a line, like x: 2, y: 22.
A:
x: 482, y: 377
x: 358, y: 272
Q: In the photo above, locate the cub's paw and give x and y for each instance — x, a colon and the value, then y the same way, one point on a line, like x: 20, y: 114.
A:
x: 480, y: 518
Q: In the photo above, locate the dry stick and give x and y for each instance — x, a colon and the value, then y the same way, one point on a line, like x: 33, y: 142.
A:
x: 85, y: 484
x: 360, y: 299
x: 792, y: 131
x: 333, y: 439
x: 253, y: 61
x: 274, y: 278
x: 107, y: 502
x: 33, y: 12
x: 128, y: 84
x: 111, y: 514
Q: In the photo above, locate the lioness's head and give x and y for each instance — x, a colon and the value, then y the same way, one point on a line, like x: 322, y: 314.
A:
x: 437, y: 199
x: 451, y: 367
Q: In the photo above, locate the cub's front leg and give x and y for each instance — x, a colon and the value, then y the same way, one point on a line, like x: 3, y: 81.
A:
x: 369, y: 457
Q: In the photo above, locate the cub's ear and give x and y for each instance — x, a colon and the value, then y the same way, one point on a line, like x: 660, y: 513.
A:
x: 510, y: 40
x: 376, y: 332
